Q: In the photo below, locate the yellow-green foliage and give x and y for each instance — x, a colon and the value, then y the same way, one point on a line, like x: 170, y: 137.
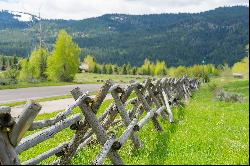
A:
x: 200, y: 71
x: 64, y: 62
x: 160, y: 68
x: 145, y: 68
x: 24, y: 73
x: 242, y: 67
x: 226, y: 71
x: 35, y: 66
x: 149, y: 68
x: 180, y: 71
x: 38, y: 63
x: 91, y: 62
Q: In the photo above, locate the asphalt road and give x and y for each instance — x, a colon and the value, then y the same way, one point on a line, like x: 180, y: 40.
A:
x: 49, y: 106
x: 22, y: 94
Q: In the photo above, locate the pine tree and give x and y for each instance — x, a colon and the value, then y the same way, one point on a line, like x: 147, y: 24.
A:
x: 95, y: 69
x: 116, y: 70
x: 134, y: 71
x: 110, y: 69
x: 104, y: 69
x: 124, y: 69
x: 128, y: 68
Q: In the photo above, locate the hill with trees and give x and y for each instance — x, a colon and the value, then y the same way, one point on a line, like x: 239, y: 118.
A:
x: 217, y: 36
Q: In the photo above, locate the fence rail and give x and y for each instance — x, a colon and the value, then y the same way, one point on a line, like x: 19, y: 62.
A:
x: 153, y: 97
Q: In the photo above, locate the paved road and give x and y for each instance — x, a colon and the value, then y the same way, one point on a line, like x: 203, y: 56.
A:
x: 48, y: 106
x: 22, y: 94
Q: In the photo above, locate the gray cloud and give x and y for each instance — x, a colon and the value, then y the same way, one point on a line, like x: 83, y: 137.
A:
x: 79, y: 9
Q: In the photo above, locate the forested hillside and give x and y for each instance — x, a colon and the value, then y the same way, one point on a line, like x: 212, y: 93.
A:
x: 218, y: 35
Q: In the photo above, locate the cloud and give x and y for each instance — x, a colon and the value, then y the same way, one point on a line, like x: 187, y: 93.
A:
x: 79, y: 9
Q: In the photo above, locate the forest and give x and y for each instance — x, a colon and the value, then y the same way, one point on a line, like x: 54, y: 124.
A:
x: 217, y: 36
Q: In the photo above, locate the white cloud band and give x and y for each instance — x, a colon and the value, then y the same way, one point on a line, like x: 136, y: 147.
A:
x: 80, y: 9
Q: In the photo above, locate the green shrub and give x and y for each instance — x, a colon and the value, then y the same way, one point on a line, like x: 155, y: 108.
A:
x: 9, y: 77
x: 222, y: 95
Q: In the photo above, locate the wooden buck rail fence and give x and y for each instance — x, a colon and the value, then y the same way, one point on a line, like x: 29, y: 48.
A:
x: 156, y: 98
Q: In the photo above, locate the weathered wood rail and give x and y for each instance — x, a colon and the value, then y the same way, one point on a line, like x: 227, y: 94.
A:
x: 154, y: 98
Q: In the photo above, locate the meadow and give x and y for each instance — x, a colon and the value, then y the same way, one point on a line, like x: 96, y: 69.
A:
x: 205, y: 131
x: 80, y: 78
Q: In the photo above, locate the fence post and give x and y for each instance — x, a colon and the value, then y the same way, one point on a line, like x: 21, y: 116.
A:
x: 124, y: 115
x: 147, y: 108
x: 97, y: 128
x: 11, y: 132
x: 84, y: 126
x: 8, y: 154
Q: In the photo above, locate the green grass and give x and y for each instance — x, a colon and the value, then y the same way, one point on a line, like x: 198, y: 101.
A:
x: 60, y: 137
x: 92, y: 77
x: 205, y: 131
x: 36, y: 84
x: 80, y: 78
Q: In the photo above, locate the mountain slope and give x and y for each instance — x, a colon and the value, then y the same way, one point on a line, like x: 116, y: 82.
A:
x: 218, y: 35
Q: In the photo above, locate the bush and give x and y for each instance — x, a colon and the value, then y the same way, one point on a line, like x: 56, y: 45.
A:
x: 9, y: 77
x: 222, y: 95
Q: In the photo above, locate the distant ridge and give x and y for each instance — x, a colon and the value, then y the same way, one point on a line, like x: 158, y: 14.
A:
x: 218, y: 36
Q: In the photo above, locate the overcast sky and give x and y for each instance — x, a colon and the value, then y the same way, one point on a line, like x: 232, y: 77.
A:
x: 80, y: 9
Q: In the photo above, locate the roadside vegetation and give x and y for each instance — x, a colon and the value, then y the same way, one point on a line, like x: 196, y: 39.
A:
x: 205, y: 131
x: 13, y: 104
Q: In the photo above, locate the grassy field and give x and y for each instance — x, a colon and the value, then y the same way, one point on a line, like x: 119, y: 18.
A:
x: 80, y: 78
x: 205, y: 131
x: 93, y: 78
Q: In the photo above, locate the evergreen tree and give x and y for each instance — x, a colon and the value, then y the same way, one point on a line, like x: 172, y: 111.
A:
x: 128, y: 68
x: 124, y: 69
x: 116, y: 70
x: 110, y: 69
x: 96, y: 70
x: 3, y: 63
x: 15, y: 60
x: 104, y: 69
x: 134, y: 71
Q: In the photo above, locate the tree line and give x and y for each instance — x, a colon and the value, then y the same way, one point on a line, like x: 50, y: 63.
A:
x: 8, y: 62
x: 148, y: 68
x: 153, y: 69
x: 60, y: 65
x: 63, y: 62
